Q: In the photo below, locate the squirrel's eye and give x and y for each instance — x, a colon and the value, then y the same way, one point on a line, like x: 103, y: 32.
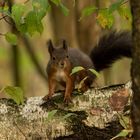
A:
x: 53, y: 58
x: 67, y: 56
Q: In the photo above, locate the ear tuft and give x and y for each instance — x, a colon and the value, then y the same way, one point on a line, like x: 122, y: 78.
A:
x: 50, y: 46
x: 65, y: 45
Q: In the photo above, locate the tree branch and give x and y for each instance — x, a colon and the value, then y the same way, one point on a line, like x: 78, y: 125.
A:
x: 15, y: 51
x: 92, y: 115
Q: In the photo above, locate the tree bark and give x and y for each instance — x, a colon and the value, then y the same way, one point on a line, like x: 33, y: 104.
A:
x: 135, y: 71
x: 92, y: 115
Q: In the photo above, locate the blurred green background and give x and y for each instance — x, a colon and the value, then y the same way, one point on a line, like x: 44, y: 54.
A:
x: 82, y: 34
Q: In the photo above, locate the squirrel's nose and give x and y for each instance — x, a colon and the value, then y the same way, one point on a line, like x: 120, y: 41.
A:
x: 61, y: 64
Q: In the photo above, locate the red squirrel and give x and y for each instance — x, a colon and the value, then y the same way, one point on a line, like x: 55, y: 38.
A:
x: 63, y: 59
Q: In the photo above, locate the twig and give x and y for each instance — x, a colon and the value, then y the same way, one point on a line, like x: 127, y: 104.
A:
x: 3, y: 17
x: 125, y: 2
x: 7, y: 20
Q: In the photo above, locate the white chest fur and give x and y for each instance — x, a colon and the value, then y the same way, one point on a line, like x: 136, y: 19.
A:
x: 60, y: 75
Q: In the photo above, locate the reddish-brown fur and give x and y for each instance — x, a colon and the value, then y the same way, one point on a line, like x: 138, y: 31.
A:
x: 59, y: 68
x: 110, y: 48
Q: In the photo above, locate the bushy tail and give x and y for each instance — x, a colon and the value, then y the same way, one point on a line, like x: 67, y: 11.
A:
x: 110, y: 48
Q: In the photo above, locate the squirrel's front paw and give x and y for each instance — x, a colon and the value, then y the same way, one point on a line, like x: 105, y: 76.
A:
x: 67, y: 99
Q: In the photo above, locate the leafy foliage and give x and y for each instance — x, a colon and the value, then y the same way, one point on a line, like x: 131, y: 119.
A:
x: 30, y: 21
x: 11, y: 38
x: 17, y: 14
x: 5, y: 11
x: 56, y: 2
x: 64, y: 9
x: 123, y: 133
x: 80, y: 68
x: 115, y: 6
x: 51, y: 115
x: 40, y: 8
x: 76, y: 69
x: 15, y: 93
x: 88, y: 11
x: 94, y: 72
x: 126, y: 124
x: 33, y: 23
x: 104, y: 16
x: 66, y: 116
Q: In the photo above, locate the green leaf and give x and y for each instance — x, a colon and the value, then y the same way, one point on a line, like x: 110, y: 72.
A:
x: 94, y: 72
x: 76, y: 69
x: 34, y: 17
x: 18, y: 11
x: 115, y: 6
x: 88, y: 11
x: 5, y: 11
x: 64, y: 9
x: 123, y: 133
x: 66, y: 116
x: 18, y: 15
x: 105, y: 18
x: 11, y: 38
x: 51, y: 115
x: 34, y: 23
x: 15, y: 93
x: 40, y: 4
x: 56, y: 2
x: 41, y: 7
x: 124, y: 121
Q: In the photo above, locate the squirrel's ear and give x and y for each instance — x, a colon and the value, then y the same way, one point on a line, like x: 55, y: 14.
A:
x: 50, y: 46
x: 65, y: 46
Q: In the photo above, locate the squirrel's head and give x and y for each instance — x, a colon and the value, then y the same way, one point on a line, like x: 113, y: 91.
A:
x: 58, y: 55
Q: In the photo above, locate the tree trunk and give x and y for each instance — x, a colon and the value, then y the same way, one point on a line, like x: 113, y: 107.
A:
x: 87, y: 29
x: 64, y: 26
x: 135, y: 71
x: 79, y: 34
